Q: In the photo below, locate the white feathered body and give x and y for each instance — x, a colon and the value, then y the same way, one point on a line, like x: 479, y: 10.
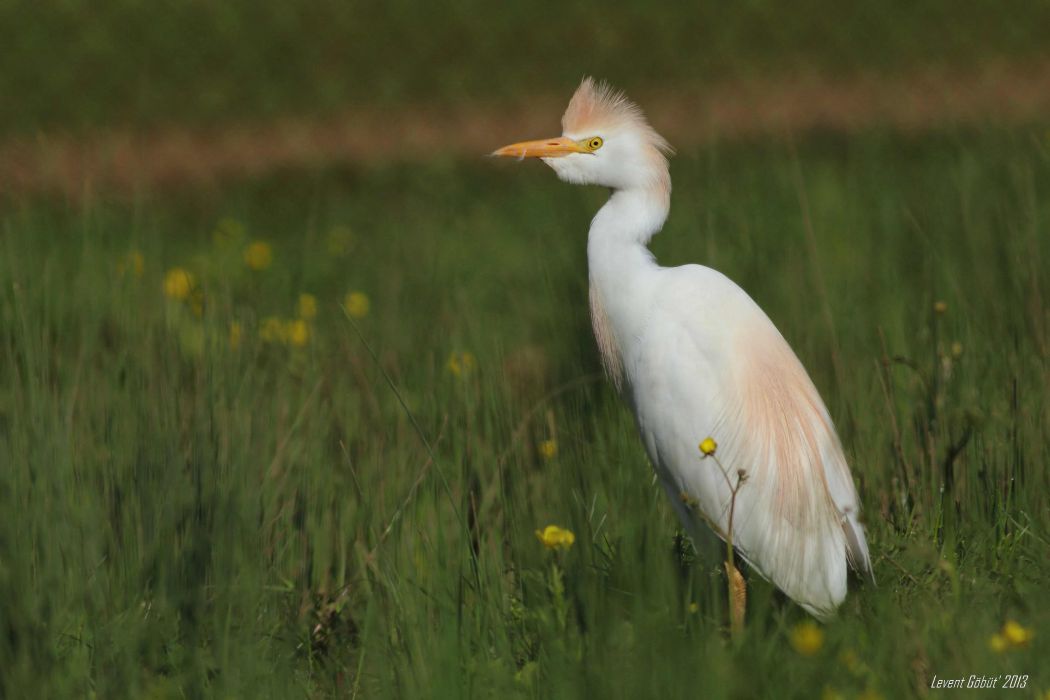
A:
x: 695, y: 357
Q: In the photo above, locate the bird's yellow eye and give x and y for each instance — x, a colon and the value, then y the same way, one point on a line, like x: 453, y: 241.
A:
x: 594, y: 143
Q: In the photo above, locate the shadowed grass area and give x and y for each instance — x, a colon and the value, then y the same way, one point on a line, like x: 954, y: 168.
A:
x: 193, y: 510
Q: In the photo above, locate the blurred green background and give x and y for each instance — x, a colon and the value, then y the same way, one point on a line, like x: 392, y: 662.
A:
x: 287, y: 426
x: 78, y: 64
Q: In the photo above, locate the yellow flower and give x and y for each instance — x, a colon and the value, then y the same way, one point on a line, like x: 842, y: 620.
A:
x: 133, y: 262
x: 357, y: 304
x: 258, y: 255
x: 693, y: 608
x: 1011, y: 636
x: 1017, y: 635
x: 940, y: 307
x: 461, y: 363
x: 178, y: 284
x: 236, y: 331
x: 272, y: 330
x: 297, y: 333
x: 548, y: 448
x: 957, y: 349
x: 807, y: 638
x: 307, y: 306
x: 554, y: 537
x: 708, y: 446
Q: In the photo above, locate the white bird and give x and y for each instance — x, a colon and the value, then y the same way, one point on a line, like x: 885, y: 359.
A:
x: 694, y: 356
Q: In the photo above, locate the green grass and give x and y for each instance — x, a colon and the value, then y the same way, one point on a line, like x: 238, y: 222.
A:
x: 80, y: 64
x: 183, y: 518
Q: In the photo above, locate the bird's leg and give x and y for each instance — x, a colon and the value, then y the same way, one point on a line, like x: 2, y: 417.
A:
x: 737, y: 598
x: 737, y: 587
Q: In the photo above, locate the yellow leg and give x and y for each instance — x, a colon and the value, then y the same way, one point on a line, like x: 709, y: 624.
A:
x: 737, y: 598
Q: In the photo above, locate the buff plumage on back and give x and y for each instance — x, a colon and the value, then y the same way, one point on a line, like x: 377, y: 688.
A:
x: 799, y: 504
x: 597, y: 107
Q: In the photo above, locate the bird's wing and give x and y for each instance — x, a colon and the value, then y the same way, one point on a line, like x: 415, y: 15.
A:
x: 711, y: 363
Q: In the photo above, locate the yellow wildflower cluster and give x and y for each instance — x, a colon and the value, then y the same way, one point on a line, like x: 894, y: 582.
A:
x: 807, y: 638
x: 357, y: 304
x: 258, y: 255
x: 231, y: 240
x: 298, y: 332
x: 307, y: 306
x: 294, y: 332
x: 548, y: 449
x: 179, y: 283
x: 1012, y: 636
x: 554, y: 537
x: 272, y: 330
x: 291, y: 331
x: 461, y: 364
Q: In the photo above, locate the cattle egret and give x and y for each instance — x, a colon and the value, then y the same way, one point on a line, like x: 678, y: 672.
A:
x: 695, y: 357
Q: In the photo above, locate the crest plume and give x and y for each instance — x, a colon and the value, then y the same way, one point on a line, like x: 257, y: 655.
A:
x: 598, y: 106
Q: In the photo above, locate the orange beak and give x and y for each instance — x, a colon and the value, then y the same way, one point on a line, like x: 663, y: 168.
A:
x: 543, y: 148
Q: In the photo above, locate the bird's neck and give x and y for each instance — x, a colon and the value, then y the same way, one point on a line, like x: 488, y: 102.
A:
x: 631, y: 216
x: 620, y: 231
x: 621, y: 268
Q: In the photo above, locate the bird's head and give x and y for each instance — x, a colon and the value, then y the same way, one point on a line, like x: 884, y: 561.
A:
x: 605, y: 141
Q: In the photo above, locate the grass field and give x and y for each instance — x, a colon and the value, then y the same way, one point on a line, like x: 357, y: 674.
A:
x: 203, y: 496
